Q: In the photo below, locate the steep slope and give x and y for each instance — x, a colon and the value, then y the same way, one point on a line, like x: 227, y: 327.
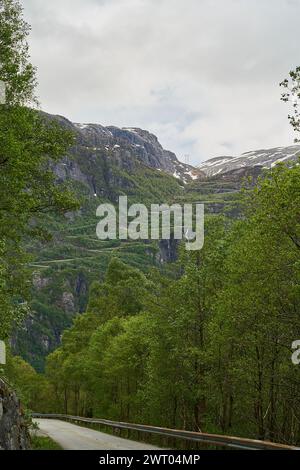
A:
x: 103, y: 164
x: 123, y: 148
x: 265, y: 158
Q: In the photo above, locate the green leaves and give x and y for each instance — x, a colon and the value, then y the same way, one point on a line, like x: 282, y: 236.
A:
x: 292, y: 94
x: 15, y: 68
x: 29, y: 145
x: 208, y: 349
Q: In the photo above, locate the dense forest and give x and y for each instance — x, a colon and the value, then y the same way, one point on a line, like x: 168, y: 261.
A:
x: 204, y: 345
x: 208, y: 349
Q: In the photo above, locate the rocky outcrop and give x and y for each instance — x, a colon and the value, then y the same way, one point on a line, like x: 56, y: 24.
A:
x: 99, y: 149
x: 168, y: 251
x: 67, y: 302
x: 14, y: 433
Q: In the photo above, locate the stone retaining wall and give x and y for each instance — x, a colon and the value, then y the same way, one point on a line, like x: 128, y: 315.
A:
x: 13, y: 428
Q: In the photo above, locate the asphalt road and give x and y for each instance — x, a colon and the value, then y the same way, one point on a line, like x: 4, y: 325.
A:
x: 72, y: 437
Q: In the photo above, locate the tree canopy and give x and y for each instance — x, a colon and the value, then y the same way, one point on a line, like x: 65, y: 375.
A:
x: 29, y: 143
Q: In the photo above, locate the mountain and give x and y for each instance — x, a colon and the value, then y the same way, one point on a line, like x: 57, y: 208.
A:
x: 123, y: 148
x: 104, y: 163
x: 265, y: 158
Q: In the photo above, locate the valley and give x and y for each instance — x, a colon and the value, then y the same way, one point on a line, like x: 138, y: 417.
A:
x: 113, y: 336
x: 103, y: 164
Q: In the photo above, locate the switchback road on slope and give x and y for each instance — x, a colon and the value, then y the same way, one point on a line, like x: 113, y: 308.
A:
x: 72, y: 437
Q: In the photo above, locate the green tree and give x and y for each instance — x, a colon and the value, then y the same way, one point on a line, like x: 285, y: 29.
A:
x: 30, y: 145
x: 292, y: 95
x: 32, y: 388
x: 122, y: 293
x: 256, y: 315
x: 176, y: 388
x: 15, y: 68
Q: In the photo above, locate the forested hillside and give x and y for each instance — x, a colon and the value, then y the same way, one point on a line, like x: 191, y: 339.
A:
x: 142, y: 331
x: 27, y: 190
x: 208, y: 349
x: 101, y: 165
x: 70, y: 258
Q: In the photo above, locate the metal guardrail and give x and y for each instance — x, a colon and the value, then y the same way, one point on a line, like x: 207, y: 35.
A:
x: 211, y: 439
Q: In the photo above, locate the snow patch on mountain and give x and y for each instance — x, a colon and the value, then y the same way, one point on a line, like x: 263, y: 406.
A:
x: 265, y: 158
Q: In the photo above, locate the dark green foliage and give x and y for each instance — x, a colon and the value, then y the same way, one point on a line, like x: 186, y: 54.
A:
x: 28, y: 144
x: 203, y: 345
x: 207, y: 349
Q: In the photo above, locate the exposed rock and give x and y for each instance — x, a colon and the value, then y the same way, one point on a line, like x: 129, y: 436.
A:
x: 40, y: 282
x: 81, y: 287
x: 238, y: 175
x: 67, y: 302
x: 14, y: 433
x: 168, y: 250
x: 104, y: 147
x: 265, y: 158
x: 45, y: 341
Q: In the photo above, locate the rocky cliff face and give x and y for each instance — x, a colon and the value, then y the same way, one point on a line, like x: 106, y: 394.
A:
x: 123, y: 148
x: 104, y: 163
x: 13, y: 429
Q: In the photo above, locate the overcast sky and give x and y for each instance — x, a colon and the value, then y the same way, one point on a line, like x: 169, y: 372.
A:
x: 201, y: 74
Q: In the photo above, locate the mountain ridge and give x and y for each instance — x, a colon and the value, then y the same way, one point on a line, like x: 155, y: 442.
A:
x: 264, y: 158
x: 127, y: 143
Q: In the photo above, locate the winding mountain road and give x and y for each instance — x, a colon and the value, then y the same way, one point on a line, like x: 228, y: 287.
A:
x: 72, y: 437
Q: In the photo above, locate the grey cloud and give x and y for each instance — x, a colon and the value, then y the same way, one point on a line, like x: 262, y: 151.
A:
x: 202, y: 74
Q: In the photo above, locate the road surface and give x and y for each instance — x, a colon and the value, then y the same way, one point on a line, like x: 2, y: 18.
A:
x: 72, y: 437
